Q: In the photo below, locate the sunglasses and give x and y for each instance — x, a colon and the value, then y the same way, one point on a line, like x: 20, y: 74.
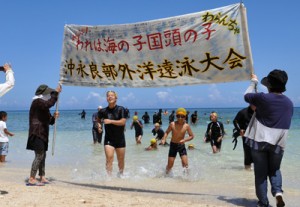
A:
x: 180, y: 116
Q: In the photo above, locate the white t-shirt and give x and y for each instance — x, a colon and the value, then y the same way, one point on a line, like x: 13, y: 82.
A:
x: 3, y: 136
x: 9, y: 83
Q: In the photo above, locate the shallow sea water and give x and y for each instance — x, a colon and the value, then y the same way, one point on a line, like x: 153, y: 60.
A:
x: 218, y: 177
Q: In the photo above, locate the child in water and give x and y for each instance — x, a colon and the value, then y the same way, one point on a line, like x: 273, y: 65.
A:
x: 178, y: 129
x: 152, y: 146
x: 138, y: 127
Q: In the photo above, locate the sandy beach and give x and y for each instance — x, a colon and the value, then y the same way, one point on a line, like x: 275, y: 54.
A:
x: 64, y: 194
x: 63, y: 191
x: 115, y: 192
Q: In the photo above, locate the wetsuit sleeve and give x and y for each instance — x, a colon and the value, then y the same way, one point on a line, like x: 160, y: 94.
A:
x: 207, y: 130
x: 236, y: 121
x: 222, y: 129
x: 153, y: 132
x: 101, y: 114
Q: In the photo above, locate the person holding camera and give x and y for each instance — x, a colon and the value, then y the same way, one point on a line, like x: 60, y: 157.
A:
x: 10, y: 79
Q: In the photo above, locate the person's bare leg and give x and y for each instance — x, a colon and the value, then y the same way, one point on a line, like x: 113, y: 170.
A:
x: 109, y: 153
x: 170, y: 164
x: 185, y: 164
x: 43, y: 179
x: 2, y: 158
x: 214, y: 149
x: 121, y: 159
x: 139, y: 139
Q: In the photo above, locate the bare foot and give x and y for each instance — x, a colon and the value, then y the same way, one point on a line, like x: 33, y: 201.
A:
x: 44, y: 180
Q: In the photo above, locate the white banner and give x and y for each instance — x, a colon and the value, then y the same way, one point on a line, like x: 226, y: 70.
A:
x: 206, y: 47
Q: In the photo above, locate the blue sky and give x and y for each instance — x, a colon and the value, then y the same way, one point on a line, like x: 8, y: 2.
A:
x: 32, y: 35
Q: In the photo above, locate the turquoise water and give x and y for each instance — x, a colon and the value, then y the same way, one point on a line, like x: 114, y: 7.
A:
x: 78, y: 159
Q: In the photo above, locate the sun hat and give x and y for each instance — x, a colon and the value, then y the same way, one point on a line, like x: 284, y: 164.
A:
x: 181, y: 111
x: 153, y: 141
x: 43, y: 90
x: 276, y: 79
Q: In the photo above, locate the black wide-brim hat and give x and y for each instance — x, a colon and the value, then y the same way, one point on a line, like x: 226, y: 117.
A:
x: 276, y: 79
x: 43, y: 90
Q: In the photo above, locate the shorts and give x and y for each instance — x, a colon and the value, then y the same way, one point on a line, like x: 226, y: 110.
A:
x: 177, y: 147
x: 215, y: 143
x: 119, y: 144
x: 138, y: 133
x: 4, y: 148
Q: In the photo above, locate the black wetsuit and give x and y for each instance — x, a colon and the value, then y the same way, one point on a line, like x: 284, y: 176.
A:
x: 240, y: 122
x: 114, y: 135
x: 146, y: 118
x: 214, y: 131
x: 160, y: 133
x: 172, y: 117
x: 194, y: 117
x: 155, y: 118
x: 138, y: 129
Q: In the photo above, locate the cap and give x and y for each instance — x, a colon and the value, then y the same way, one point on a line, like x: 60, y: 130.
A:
x: 191, y: 146
x: 153, y: 141
x: 135, y: 118
x: 43, y: 90
x: 276, y: 79
x: 181, y: 111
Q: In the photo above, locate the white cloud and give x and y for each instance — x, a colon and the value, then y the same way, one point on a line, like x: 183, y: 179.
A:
x: 129, y: 97
x: 163, y: 95
x: 72, y: 101
x: 93, y: 96
x: 214, y: 93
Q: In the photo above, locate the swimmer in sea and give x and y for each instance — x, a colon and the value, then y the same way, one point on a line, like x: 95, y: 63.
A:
x: 178, y: 129
x: 152, y: 146
x: 138, y: 127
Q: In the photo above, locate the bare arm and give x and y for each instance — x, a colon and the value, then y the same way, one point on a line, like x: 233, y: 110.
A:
x: 8, y: 133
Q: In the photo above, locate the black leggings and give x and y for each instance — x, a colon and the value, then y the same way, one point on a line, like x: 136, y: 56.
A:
x: 38, y: 163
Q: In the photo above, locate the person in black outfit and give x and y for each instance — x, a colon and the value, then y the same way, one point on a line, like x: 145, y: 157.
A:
x: 146, y: 118
x: 194, y: 118
x: 159, y: 119
x: 187, y: 117
x: 82, y: 114
x: 215, y: 132
x: 155, y: 118
x: 172, y: 117
x: 158, y: 132
x: 97, y: 130
x: 114, y: 119
x: 240, y: 123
